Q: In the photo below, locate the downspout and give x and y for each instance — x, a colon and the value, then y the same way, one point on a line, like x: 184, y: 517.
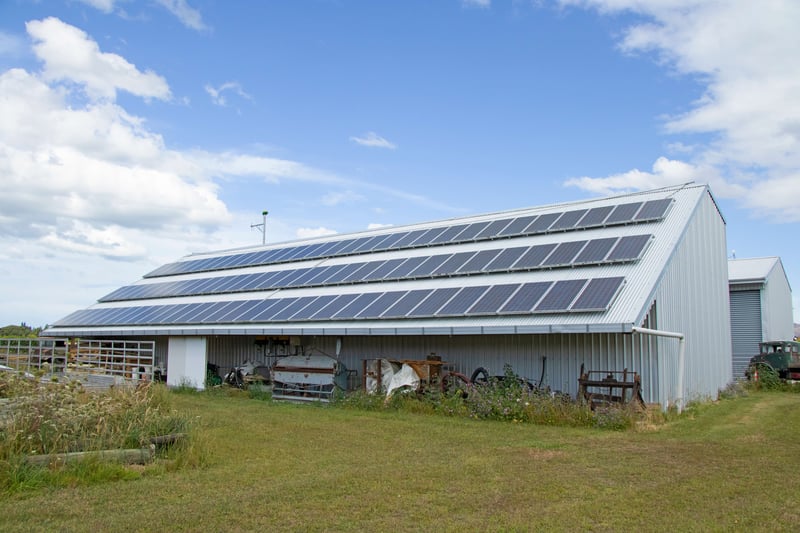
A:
x: 681, y: 357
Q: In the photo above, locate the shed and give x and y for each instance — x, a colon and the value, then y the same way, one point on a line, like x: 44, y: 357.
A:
x: 635, y: 281
x: 761, y: 307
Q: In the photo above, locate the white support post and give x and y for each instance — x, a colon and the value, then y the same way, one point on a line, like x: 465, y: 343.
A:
x: 681, y: 359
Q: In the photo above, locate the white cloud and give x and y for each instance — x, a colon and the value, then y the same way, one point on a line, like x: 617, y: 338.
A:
x: 745, y: 54
x: 189, y: 17
x: 483, y: 4
x: 70, y: 55
x: 310, y: 233
x: 338, y: 198
x: 216, y: 92
x: 106, y: 6
x: 377, y: 225
x: 373, y: 140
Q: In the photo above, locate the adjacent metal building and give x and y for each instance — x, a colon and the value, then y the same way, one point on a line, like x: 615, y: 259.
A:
x: 761, y: 307
x: 637, y: 282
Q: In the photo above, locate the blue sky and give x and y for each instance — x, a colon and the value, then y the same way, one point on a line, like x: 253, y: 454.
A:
x: 135, y: 132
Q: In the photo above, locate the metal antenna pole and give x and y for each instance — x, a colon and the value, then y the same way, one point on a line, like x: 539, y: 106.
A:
x: 262, y: 227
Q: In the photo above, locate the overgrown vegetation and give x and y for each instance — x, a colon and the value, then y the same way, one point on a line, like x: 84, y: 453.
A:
x: 509, y: 398
x: 48, y: 418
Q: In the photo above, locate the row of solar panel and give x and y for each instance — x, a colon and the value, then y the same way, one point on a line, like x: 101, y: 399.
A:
x: 577, y: 295
x: 507, y: 227
x: 596, y: 251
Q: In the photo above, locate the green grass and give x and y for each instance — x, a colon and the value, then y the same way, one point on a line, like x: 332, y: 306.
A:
x: 284, y: 467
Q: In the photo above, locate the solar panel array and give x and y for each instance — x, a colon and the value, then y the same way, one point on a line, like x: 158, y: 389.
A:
x: 575, y: 295
x: 629, y: 213
x: 542, y: 256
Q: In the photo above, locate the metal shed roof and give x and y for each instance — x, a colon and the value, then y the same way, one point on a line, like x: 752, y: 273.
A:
x: 588, y: 266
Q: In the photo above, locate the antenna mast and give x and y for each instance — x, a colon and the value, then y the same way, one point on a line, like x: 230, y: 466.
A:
x: 262, y: 227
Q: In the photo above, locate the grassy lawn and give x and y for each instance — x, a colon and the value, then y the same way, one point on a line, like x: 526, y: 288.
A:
x: 283, y: 467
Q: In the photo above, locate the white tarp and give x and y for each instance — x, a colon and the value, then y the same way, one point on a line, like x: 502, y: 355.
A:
x: 407, y: 377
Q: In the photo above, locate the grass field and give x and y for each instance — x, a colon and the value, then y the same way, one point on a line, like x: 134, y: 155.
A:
x: 728, y: 466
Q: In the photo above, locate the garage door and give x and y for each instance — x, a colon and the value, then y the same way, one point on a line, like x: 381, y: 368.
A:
x: 745, y: 328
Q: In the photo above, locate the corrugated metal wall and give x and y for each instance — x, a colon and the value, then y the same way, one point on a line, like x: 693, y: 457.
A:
x: 777, y: 317
x: 745, y: 328
x: 525, y: 353
x: 693, y: 299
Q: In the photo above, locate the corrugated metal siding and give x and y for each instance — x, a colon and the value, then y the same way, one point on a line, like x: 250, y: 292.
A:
x: 692, y: 299
x: 777, y: 318
x: 526, y: 354
x: 745, y: 328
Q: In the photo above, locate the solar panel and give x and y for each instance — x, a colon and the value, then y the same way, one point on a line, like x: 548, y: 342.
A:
x: 494, y: 229
x: 654, y: 209
x: 179, y: 313
x: 568, y: 220
x: 286, y: 307
x: 300, y: 252
x: 392, y: 240
x: 598, y: 294
x: 185, y: 316
x: 410, y: 237
x: 261, y: 309
x: 526, y: 297
x: 370, y: 243
x: 595, y: 251
x: 506, y: 258
x: 408, y: 265
x: 517, y: 226
x: 534, y: 256
x: 343, y: 273
x: 429, y: 265
x: 286, y: 279
x: 338, y: 247
x: 249, y: 306
x: 428, y: 236
x: 408, y: 302
x: 472, y: 230
x: 264, y: 280
x: 542, y: 223
x: 220, y: 312
x: 353, y: 246
x: 623, y: 213
x: 433, y: 302
x: 334, y: 306
x: 358, y: 273
x: 452, y: 265
x: 112, y: 316
x: 382, y: 271
x: 310, y: 274
x: 314, y: 307
x: 493, y: 299
x: 350, y: 310
x: 462, y: 301
x: 560, y: 296
x: 449, y: 234
x: 629, y: 248
x: 478, y: 261
x: 326, y: 247
x: 233, y: 311
x: 564, y: 254
x: 127, y: 314
x: 380, y: 305
x: 595, y: 217
x: 313, y: 250
x: 230, y: 283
